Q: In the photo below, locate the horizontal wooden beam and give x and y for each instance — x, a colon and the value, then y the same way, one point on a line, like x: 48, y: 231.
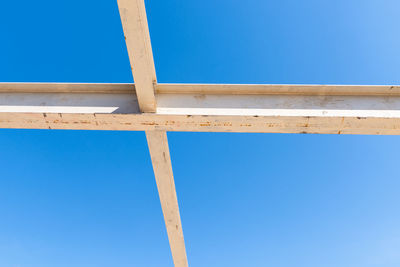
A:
x: 92, y: 88
x: 279, y: 105
x: 201, y: 123
x: 90, y: 103
x: 279, y: 89
x: 206, y: 89
x: 115, y: 107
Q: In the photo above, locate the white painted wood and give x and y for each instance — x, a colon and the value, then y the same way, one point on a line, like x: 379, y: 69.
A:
x: 91, y: 103
x: 211, y: 105
x: 160, y: 157
x: 137, y: 37
x: 119, y: 98
x: 279, y: 105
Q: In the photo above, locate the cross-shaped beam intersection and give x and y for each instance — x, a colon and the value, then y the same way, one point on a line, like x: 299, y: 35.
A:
x: 157, y: 108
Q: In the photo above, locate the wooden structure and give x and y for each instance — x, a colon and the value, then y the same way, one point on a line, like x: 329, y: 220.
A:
x: 157, y: 108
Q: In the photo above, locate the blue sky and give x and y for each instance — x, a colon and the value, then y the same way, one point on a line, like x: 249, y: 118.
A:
x: 84, y: 198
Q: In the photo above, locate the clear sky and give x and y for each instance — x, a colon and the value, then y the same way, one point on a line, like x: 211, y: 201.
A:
x: 85, y: 198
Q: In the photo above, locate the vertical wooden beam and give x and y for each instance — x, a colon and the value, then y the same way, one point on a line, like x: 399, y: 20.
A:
x: 137, y: 37
x: 160, y: 157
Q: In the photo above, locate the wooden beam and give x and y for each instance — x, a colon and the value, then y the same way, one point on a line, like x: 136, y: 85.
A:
x: 67, y: 103
x: 92, y: 88
x: 200, y: 123
x: 279, y: 89
x: 137, y: 37
x: 206, y: 89
x: 134, y: 21
x: 160, y: 157
x: 114, y: 107
x: 279, y: 105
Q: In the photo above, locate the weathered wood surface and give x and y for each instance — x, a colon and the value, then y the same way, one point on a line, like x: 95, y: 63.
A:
x: 206, y: 89
x: 92, y: 88
x: 115, y: 107
x: 198, y: 123
x: 279, y: 89
x: 160, y: 157
x: 137, y: 38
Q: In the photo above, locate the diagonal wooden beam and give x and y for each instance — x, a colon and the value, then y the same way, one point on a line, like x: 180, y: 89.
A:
x: 160, y: 157
x: 137, y: 37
